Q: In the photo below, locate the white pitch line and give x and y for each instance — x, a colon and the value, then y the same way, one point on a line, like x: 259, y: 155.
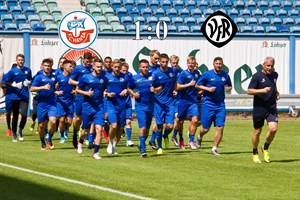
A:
x: 76, y: 182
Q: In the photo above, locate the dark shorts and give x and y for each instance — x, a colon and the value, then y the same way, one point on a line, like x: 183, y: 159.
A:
x: 261, y: 114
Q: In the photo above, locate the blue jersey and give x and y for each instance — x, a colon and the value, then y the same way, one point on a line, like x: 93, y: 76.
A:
x: 98, y: 84
x: 107, y: 71
x: 189, y: 94
x: 128, y: 100
x: 59, y: 71
x: 117, y: 84
x: 63, y: 85
x: 167, y: 80
x: 78, y: 72
x: 53, y: 72
x: 19, y: 75
x: 211, y: 79
x: 8, y: 88
x: 142, y: 85
x: 47, y: 96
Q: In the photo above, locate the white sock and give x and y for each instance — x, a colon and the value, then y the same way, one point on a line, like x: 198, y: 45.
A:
x: 214, y: 148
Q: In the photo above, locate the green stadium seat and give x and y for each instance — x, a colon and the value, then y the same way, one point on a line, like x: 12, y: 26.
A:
x: 47, y: 19
x: 51, y: 27
x: 113, y: 20
x: 105, y: 28
x: 101, y: 20
x: 118, y: 28
x: 96, y: 11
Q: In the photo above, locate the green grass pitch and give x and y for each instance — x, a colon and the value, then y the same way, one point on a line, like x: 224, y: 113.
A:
x: 177, y: 174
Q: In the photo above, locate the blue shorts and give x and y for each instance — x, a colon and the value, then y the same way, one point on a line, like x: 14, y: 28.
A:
x: 45, y: 111
x: 105, y: 104
x: 116, y: 116
x: 164, y: 114
x: 144, y: 117
x: 216, y: 115
x: 184, y: 109
x: 78, y: 105
x: 65, y: 110
x: 92, y: 115
x: 8, y: 104
x: 199, y: 110
x: 129, y: 112
x: 176, y: 106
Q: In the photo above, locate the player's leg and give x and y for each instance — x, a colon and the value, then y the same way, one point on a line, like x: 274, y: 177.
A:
x: 169, y: 121
x: 99, y: 123
x: 206, y: 122
x: 112, y: 117
x: 193, y: 113
x: 16, y: 107
x: 176, y: 121
x: 220, y: 118
x: 33, y: 114
x: 61, y: 115
x: 24, y: 109
x: 77, y: 119
x: 88, y: 116
x: 143, y: 122
x: 160, y: 120
x: 42, y: 123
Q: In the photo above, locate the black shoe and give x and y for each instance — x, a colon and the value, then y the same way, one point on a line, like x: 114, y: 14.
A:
x: 153, y: 145
x: 91, y: 145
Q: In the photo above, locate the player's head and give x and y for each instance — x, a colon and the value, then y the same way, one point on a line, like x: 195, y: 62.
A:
x: 107, y: 62
x: 20, y: 58
x: 14, y: 65
x: 124, y: 67
x: 116, y: 66
x: 73, y: 64
x: 174, y: 61
x: 144, y: 66
x: 61, y: 60
x: 154, y: 57
x: 67, y: 66
x: 218, y: 64
x: 47, y: 65
x: 122, y: 60
x: 191, y: 63
x: 163, y: 60
x: 51, y: 61
x: 87, y: 59
x: 97, y: 66
x: 268, y: 65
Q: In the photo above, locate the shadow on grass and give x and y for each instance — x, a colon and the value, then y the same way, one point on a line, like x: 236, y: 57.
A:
x: 12, y: 188
x: 286, y: 161
x: 237, y: 152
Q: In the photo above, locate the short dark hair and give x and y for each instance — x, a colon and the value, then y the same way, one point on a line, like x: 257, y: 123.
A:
x: 87, y: 55
x: 143, y: 61
x: 218, y: 58
x: 14, y: 65
x: 73, y: 63
x: 20, y: 55
x: 98, y: 60
x: 67, y: 62
x: 47, y: 60
x: 164, y: 55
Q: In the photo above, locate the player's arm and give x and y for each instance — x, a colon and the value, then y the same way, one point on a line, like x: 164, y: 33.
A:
x: 136, y: 95
x: 252, y: 91
x: 183, y: 86
x: 205, y: 88
x: 39, y: 88
x: 85, y: 93
x: 73, y: 82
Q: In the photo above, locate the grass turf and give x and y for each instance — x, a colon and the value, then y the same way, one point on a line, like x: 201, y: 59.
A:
x: 177, y: 174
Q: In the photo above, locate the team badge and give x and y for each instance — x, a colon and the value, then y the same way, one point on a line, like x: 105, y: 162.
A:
x: 53, y: 79
x: 150, y: 78
x: 101, y: 81
x: 78, y: 30
x: 170, y: 74
x: 223, y: 78
x: 121, y: 79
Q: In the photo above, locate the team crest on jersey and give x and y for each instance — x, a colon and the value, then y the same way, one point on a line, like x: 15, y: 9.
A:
x: 101, y: 81
x: 263, y: 80
x: 275, y: 80
x: 223, y: 78
x: 26, y: 72
x: 196, y: 75
x: 150, y: 78
x: 170, y: 74
x: 78, y: 29
x: 121, y: 79
x: 53, y: 79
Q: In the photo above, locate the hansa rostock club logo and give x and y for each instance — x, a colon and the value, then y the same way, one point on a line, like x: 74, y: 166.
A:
x: 78, y: 30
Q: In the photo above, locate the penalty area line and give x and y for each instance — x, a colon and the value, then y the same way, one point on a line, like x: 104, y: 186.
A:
x: 75, y: 182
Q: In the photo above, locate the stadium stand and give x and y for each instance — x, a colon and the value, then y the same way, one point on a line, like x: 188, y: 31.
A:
x: 271, y: 29
x: 258, y: 29
x: 146, y: 12
x: 246, y: 29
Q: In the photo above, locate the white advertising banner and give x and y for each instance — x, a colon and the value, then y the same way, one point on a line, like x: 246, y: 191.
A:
x: 8, y: 51
x: 242, y: 56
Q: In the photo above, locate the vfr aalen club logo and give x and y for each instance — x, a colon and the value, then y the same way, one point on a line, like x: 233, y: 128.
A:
x: 78, y: 30
x: 219, y: 29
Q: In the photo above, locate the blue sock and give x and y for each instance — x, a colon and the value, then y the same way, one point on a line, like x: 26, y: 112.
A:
x: 128, y: 133
x: 143, y: 143
x: 50, y: 138
x: 20, y: 132
x: 62, y: 134
x: 43, y: 141
x: 96, y: 148
x: 46, y: 131
x: 180, y: 137
x: 266, y: 145
x: 175, y: 132
x: 166, y: 133
x: 159, y: 139
x: 153, y: 136
x: 90, y: 137
x: 192, y: 138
